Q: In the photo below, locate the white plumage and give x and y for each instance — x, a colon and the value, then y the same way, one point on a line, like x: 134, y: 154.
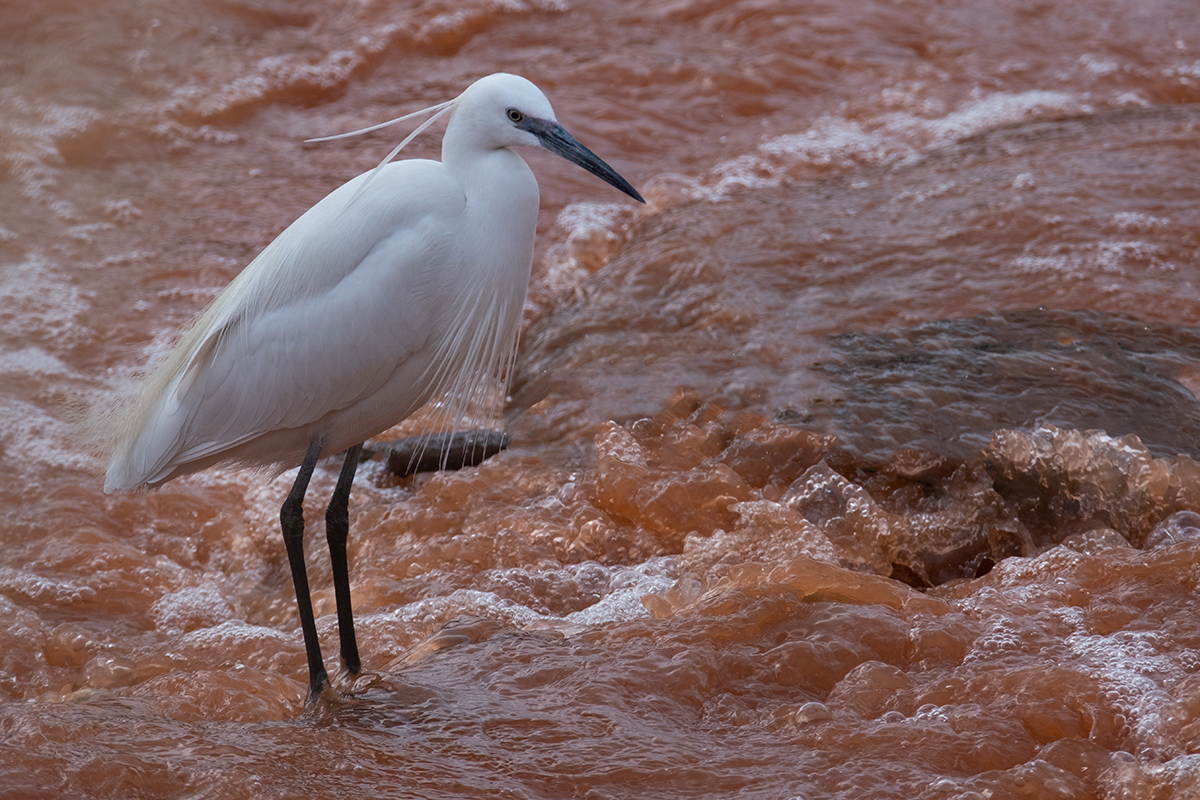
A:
x: 406, y: 283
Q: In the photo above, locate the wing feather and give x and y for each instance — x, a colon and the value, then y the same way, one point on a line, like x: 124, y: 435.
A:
x: 324, y: 317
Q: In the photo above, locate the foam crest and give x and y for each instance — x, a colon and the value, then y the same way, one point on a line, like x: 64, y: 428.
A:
x: 622, y: 600
x: 612, y: 595
x: 38, y: 435
x: 587, y: 235
x: 433, y: 612
x: 831, y: 143
x: 840, y: 143
x: 32, y: 132
x: 21, y: 583
x: 231, y: 636
x: 190, y: 608
x: 347, y: 43
x: 39, y: 304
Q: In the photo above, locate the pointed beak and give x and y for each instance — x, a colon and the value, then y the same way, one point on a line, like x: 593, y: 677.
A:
x: 556, y: 139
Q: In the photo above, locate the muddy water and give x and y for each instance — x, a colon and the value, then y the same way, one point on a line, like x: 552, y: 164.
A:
x: 857, y: 464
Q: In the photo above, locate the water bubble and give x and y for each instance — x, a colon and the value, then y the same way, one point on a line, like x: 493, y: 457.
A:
x: 107, y: 671
x: 1181, y: 526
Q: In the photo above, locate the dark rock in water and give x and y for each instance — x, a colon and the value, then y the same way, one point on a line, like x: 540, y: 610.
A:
x: 737, y: 306
x: 442, y: 451
x: 944, y: 387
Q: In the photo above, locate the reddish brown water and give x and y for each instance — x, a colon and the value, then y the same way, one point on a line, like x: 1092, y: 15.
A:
x: 859, y: 463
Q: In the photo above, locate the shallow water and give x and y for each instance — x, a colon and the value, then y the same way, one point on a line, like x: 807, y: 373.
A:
x: 859, y: 463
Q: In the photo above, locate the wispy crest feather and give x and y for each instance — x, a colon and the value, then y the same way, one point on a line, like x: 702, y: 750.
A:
x: 440, y: 110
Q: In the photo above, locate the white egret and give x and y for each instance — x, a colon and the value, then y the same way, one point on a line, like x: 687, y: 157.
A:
x: 403, y: 285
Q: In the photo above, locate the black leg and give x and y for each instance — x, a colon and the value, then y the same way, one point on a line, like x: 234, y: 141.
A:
x: 337, y: 531
x: 291, y: 518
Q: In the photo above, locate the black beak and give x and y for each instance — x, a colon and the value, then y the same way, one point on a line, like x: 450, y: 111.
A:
x: 556, y: 139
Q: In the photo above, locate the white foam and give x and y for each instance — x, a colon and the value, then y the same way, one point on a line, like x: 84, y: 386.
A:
x: 226, y: 635
x: 42, y: 311
x: 1132, y: 222
x: 351, y: 43
x: 122, y: 211
x: 39, y: 304
x: 1177, y: 778
x: 1025, y: 181
x: 191, y: 607
x: 1189, y: 72
x: 626, y: 588
x: 435, y: 611
x: 30, y: 361
x: 31, y: 131
x: 38, y: 437
x: 587, y: 235
x: 622, y: 590
x: 830, y: 142
x: 1132, y: 666
x: 846, y: 143
x: 1099, y: 65
x: 44, y: 590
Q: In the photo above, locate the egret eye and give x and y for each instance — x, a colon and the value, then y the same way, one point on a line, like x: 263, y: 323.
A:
x: 514, y: 115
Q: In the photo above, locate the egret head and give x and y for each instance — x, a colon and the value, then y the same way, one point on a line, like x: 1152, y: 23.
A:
x: 505, y: 110
x: 495, y: 112
x: 492, y: 108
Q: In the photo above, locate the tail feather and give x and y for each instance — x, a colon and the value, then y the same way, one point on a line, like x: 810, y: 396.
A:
x: 144, y: 457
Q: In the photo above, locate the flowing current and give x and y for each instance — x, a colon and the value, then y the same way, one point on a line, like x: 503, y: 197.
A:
x: 862, y: 462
